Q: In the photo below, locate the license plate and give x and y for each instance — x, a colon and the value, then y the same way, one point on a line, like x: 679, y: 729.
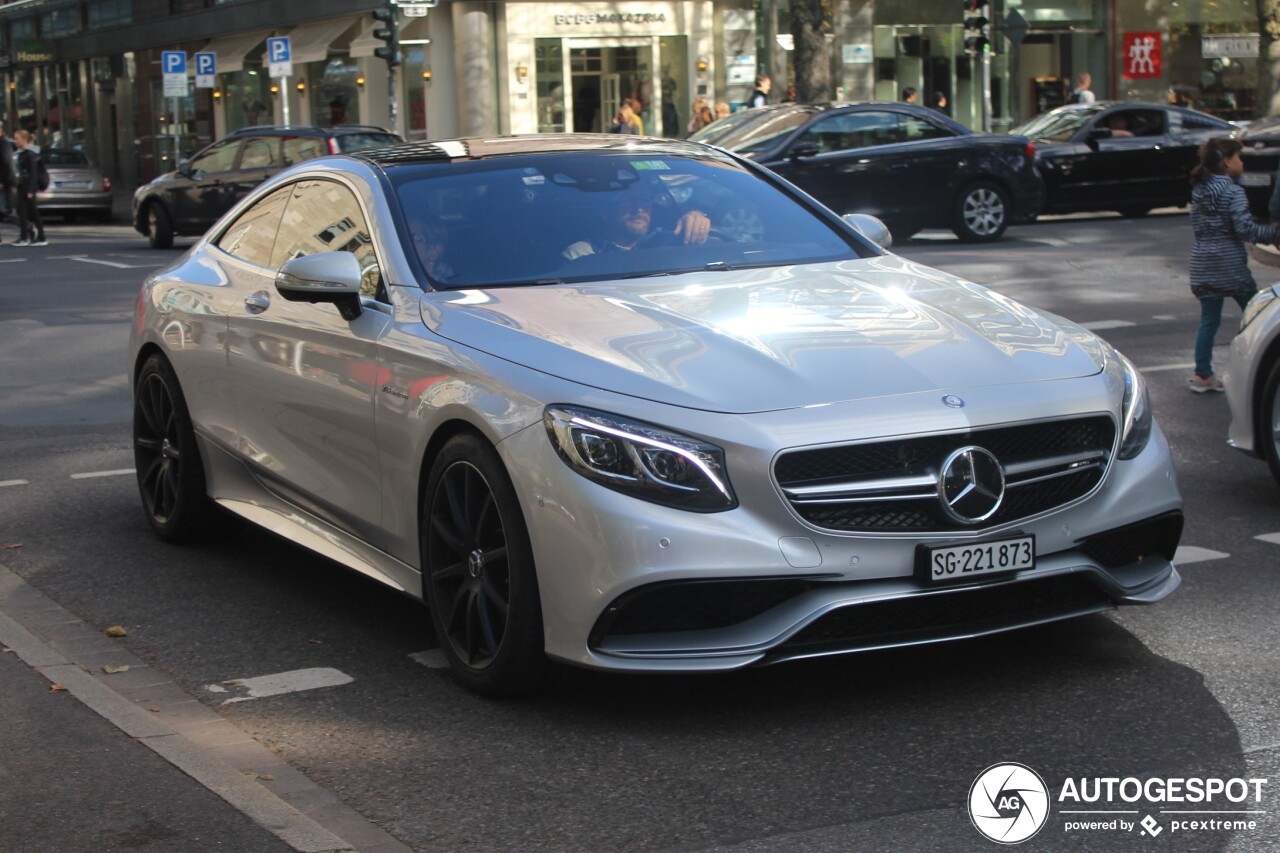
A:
x: 71, y: 185
x: 978, y: 559
x: 1255, y: 179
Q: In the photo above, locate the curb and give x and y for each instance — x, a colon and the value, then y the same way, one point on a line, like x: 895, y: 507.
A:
x: 150, y: 708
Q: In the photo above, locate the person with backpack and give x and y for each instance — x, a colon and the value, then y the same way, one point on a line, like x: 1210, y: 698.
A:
x: 1082, y: 94
x: 31, y: 175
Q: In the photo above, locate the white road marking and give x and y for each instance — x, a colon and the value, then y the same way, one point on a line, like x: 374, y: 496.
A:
x: 13, y: 260
x: 92, y: 474
x: 115, y: 264
x: 4, y: 483
x: 1187, y: 554
x: 431, y: 659
x: 1047, y: 241
x: 1164, y: 316
x: 282, y: 682
x: 1099, y: 325
x: 1273, y: 538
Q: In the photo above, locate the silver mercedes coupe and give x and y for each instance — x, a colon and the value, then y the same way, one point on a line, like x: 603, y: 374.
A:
x: 639, y: 404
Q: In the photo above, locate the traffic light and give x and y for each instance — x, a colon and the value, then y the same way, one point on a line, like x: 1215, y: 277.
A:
x: 389, y: 34
x: 977, y: 26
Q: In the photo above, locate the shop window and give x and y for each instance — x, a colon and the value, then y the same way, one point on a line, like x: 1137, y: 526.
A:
x: 549, y: 68
x: 22, y: 28
x: 60, y: 22
x: 335, y: 98
x: 108, y: 13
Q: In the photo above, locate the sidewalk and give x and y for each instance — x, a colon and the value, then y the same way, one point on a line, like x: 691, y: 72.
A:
x: 128, y: 761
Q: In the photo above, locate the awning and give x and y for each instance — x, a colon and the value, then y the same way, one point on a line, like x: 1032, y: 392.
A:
x: 310, y: 42
x: 232, y: 50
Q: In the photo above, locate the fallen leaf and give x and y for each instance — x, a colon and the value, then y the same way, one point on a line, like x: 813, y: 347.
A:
x: 267, y: 777
x: 56, y: 688
x: 117, y: 631
x: 112, y: 670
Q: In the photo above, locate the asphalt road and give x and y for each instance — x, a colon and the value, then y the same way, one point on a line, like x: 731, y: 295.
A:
x: 868, y: 753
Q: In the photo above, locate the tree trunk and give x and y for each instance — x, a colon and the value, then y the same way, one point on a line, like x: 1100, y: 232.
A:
x: 812, y: 56
x: 1268, y: 102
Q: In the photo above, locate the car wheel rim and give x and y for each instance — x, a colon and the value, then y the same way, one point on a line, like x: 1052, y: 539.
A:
x: 468, y: 564
x: 1275, y: 427
x: 157, y: 449
x: 151, y: 222
x: 983, y: 212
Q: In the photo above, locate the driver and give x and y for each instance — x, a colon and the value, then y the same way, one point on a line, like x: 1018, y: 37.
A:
x: 628, y: 224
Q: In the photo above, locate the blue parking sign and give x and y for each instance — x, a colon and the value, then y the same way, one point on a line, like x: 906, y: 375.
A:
x: 279, y: 57
x: 174, y: 61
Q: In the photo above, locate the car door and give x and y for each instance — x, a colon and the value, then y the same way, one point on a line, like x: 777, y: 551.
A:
x: 838, y: 159
x: 924, y: 168
x: 1129, y: 163
x: 305, y: 379
x: 201, y: 187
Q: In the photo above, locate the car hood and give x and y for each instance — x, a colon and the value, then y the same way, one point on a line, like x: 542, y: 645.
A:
x: 1264, y: 130
x: 770, y: 339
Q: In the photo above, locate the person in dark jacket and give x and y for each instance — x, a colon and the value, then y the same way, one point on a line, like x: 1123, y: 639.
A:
x: 30, y: 228
x: 7, y: 176
x: 1221, y: 224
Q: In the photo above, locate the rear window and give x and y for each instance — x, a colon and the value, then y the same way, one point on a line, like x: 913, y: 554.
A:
x: 64, y: 157
x: 349, y: 142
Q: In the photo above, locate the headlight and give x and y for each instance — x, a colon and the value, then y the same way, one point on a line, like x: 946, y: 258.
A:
x: 1136, y: 411
x: 1257, y: 305
x: 641, y: 460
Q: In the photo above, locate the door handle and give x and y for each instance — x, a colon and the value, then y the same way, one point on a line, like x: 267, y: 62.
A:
x: 258, y: 302
x: 899, y: 167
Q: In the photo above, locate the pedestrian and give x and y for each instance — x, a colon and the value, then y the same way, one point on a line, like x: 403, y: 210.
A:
x: 909, y: 95
x: 7, y: 176
x: 792, y: 94
x: 30, y: 228
x: 722, y: 110
x: 1221, y: 224
x: 1081, y: 94
x: 624, y: 121
x: 940, y: 103
x: 760, y: 96
x: 701, y: 115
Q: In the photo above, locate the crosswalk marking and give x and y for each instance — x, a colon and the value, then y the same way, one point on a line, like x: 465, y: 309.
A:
x: 1272, y: 538
x: 117, y: 473
x: 1099, y: 325
x: 1187, y: 554
x: 4, y: 483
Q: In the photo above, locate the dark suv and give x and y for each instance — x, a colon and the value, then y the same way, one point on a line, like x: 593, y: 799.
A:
x: 191, y: 199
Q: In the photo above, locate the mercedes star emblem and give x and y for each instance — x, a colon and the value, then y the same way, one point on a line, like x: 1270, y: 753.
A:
x: 971, y: 485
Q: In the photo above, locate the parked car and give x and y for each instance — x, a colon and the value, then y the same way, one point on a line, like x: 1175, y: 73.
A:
x: 531, y: 381
x: 187, y: 201
x: 1252, y: 378
x: 1126, y: 157
x: 76, y: 186
x: 910, y: 166
x: 1261, y: 158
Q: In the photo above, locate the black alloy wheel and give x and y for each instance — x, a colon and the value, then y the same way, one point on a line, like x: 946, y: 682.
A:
x: 170, y: 474
x: 479, y: 578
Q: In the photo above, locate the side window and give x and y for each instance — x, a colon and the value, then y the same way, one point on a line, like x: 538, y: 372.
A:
x: 300, y: 148
x: 324, y: 216
x: 1127, y: 123
x: 260, y: 152
x: 915, y: 128
x: 855, y: 130
x: 252, y: 235
x: 219, y: 157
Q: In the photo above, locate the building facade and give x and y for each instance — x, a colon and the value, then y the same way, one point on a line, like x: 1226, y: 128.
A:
x: 88, y: 72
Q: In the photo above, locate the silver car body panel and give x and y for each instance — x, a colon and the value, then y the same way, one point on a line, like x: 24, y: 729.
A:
x: 1248, y: 361
x: 320, y: 430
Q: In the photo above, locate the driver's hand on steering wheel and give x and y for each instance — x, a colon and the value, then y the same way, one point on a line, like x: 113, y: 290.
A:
x: 694, y: 227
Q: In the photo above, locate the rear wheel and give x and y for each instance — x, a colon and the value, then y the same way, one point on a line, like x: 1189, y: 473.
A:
x: 982, y: 213
x: 159, y: 227
x: 478, y: 573
x: 170, y: 474
x: 1269, y: 421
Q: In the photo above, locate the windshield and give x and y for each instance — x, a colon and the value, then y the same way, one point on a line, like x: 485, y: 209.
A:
x: 764, y: 134
x: 603, y: 215
x: 64, y: 157
x: 1057, y: 126
x: 724, y: 126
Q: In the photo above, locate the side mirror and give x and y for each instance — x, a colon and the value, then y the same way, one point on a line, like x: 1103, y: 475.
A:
x: 804, y: 149
x: 870, y: 227
x: 323, y: 277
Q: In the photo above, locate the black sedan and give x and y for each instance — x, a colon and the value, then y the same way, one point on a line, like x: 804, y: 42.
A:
x: 913, y: 167
x: 1125, y: 157
x: 1261, y: 156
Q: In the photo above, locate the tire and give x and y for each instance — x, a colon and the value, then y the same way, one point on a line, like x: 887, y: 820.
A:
x: 170, y: 474
x: 1136, y: 211
x: 478, y: 573
x: 1268, y: 420
x: 159, y: 227
x: 982, y: 213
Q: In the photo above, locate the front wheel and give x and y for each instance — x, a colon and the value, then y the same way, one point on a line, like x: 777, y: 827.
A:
x: 170, y: 474
x: 478, y: 573
x: 982, y: 213
x: 159, y: 227
x: 1269, y: 421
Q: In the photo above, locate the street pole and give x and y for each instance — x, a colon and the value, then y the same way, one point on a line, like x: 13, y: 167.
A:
x: 986, y: 91
x: 284, y: 94
x: 391, y: 98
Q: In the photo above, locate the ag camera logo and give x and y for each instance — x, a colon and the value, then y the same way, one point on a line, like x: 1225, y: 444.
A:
x: 1008, y: 803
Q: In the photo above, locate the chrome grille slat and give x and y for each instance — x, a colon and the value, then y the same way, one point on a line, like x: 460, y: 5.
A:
x: 891, y: 485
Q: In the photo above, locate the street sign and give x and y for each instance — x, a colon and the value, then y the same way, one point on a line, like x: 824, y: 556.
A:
x: 279, y: 57
x: 173, y: 64
x: 206, y: 70
x: 415, y: 10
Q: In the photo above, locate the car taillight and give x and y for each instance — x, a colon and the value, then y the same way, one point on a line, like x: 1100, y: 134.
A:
x: 1031, y: 150
x: 106, y: 184
x: 333, y: 146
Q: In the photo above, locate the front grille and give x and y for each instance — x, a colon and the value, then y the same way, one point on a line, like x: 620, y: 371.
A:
x: 1127, y: 545
x: 694, y: 605
x: 948, y: 614
x: 889, y: 486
